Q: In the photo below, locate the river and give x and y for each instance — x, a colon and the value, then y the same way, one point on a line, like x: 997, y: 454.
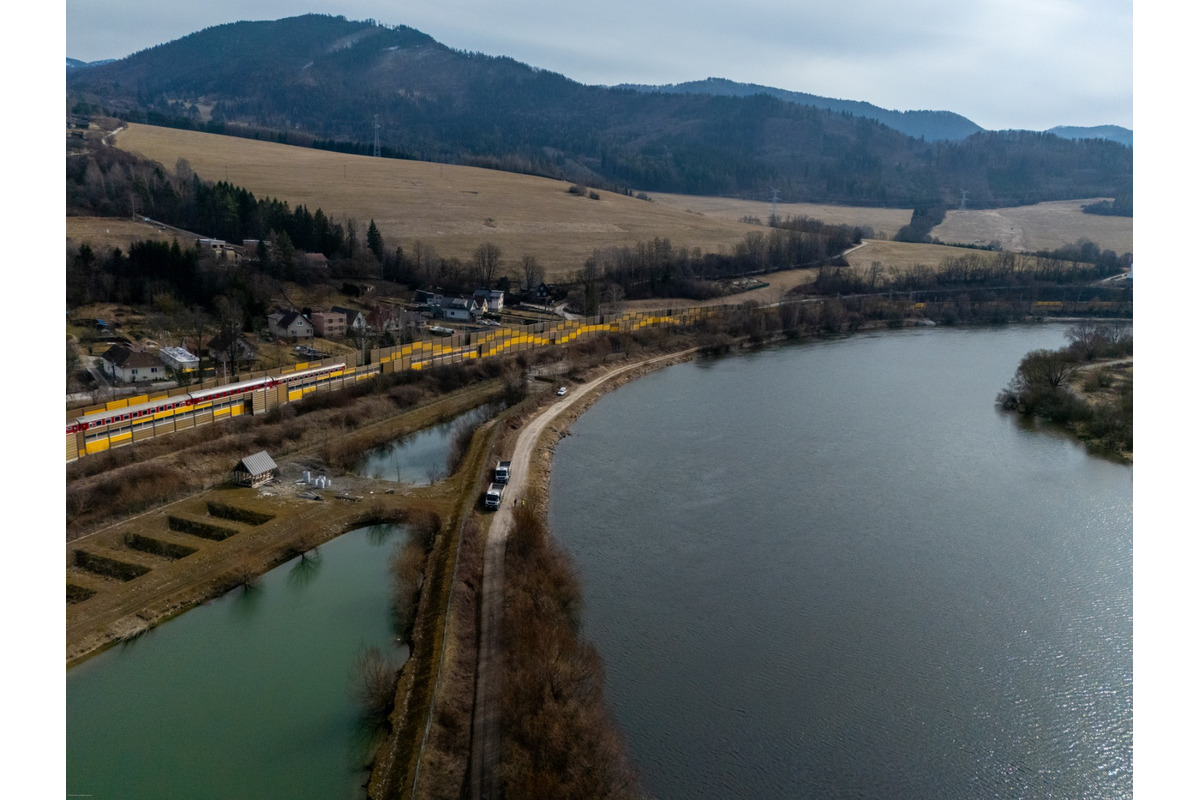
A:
x: 836, y: 569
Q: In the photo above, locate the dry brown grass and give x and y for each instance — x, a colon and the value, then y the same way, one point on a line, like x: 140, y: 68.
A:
x: 454, y: 209
x: 1045, y: 226
x: 885, y: 221
x: 905, y: 255
x: 102, y: 234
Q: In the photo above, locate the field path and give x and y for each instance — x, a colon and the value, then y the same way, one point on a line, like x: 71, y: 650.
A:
x: 485, y: 736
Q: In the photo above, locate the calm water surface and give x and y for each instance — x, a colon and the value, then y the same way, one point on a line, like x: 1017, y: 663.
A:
x: 248, y: 696
x: 837, y: 570
x: 420, y: 458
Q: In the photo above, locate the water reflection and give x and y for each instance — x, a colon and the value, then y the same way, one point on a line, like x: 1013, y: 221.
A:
x: 379, y: 534
x: 423, y: 458
x: 305, y: 570
x: 245, y: 696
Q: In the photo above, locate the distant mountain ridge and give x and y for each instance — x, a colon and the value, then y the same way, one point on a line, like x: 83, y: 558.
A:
x: 324, y: 81
x: 929, y: 125
x: 1113, y: 133
x: 75, y: 63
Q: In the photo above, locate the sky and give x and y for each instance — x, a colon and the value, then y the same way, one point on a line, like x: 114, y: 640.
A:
x: 1028, y: 64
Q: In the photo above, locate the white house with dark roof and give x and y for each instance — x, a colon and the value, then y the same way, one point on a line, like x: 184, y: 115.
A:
x: 290, y: 325
x: 132, y: 365
x: 463, y: 309
x: 490, y: 300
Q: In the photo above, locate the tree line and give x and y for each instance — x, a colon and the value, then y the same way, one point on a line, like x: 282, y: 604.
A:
x: 108, y: 182
x: 659, y: 269
x: 972, y: 270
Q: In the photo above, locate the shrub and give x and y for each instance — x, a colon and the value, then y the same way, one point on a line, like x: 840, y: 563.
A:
x: 108, y: 567
x: 239, y: 514
x: 156, y: 547
x: 205, y: 530
x: 373, y: 678
x: 77, y: 594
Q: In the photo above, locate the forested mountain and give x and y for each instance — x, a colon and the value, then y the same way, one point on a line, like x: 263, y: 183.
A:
x: 931, y: 125
x: 326, y: 81
x: 1113, y: 133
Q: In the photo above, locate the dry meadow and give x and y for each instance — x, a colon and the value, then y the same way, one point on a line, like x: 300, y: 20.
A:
x: 451, y: 208
x: 454, y: 209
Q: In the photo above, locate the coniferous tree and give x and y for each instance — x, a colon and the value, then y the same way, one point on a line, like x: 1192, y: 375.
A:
x: 375, y: 241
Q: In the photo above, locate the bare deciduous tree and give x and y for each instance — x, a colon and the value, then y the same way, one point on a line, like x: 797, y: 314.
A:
x: 532, y: 271
x: 487, y: 263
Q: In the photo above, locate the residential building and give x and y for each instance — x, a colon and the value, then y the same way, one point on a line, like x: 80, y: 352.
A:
x: 290, y: 325
x: 355, y: 320
x: 220, y: 348
x: 179, y: 359
x: 463, y: 309
x: 390, y: 319
x: 426, y: 297
x: 329, y: 324
x: 490, y: 300
x: 132, y: 365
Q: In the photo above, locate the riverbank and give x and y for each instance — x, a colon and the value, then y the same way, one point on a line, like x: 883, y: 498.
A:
x: 1085, y: 387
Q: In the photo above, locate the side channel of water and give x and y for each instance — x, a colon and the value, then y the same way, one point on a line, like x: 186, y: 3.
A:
x: 838, y: 570
x: 420, y: 458
x: 248, y: 696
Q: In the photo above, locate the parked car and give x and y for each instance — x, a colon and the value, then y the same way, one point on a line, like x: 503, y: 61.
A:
x: 561, y: 391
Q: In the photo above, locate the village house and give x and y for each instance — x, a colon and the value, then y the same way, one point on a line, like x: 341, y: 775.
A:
x: 425, y: 297
x: 220, y: 249
x: 179, y: 359
x: 389, y: 319
x: 462, y: 309
x: 290, y: 325
x: 355, y: 320
x: 490, y: 300
x: 132, y: 365
x: 329, y: 324
x: 315, y: 261
x: 221, y: 347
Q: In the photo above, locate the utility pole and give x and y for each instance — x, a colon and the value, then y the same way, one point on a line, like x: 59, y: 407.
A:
x: 377, y: 152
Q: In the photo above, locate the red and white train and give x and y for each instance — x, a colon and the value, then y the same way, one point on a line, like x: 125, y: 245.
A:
x: 113, y: 427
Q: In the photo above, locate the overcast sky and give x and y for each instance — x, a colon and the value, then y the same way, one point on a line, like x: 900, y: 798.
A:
x: 1028, y: 64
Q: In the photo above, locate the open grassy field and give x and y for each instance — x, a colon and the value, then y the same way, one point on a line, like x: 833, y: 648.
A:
x: 1044, y: 226
x: 102, y: 234
x: 905, y: 255
x: 884, y: 221
x: 454, y: 209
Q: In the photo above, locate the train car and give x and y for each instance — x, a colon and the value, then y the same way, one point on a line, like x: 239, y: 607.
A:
x: 103, y: 430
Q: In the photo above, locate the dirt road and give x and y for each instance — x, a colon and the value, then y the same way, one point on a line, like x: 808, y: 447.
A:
x: 485, y: 751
